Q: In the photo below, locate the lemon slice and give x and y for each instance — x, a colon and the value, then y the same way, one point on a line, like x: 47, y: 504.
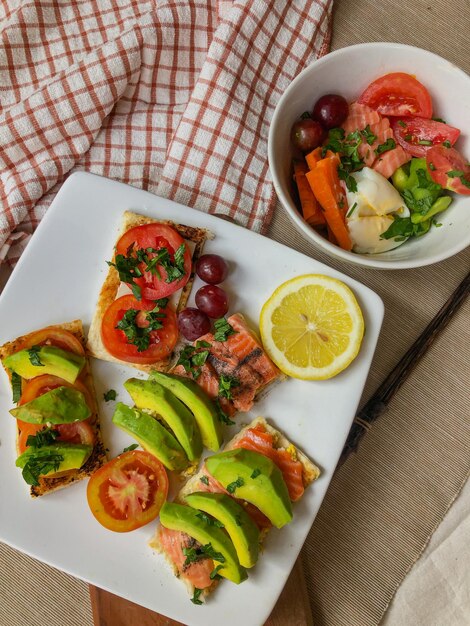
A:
x: 312, y: 327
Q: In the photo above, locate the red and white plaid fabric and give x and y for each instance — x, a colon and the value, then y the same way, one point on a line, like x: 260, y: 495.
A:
x: 173, y: 96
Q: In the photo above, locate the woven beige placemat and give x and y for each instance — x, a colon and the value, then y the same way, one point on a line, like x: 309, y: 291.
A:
x: 384, y: 503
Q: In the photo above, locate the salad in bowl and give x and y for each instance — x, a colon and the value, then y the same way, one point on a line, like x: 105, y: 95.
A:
x: 373, y: 165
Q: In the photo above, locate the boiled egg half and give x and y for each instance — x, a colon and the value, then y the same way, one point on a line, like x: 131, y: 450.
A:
x: 371, y: 210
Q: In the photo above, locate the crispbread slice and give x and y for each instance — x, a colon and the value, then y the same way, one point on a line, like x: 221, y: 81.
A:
x: 98, y: 456
x: 112, y: 283
x: 310, y: 472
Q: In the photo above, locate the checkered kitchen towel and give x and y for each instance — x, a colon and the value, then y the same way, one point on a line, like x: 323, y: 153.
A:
x: 173, y: 96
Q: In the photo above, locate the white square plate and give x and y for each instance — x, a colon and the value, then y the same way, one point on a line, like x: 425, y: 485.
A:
x: 58, y: 279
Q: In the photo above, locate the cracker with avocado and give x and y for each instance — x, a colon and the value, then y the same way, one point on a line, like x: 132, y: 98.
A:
x: 10, y: 353
x: 195, y: 237
x: 198, y: 493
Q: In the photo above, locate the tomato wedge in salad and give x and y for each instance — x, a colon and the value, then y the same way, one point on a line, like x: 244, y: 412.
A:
x: 417, y: 135
x: 398, y: 94
x: 128, y: 492
x: 139, y: 331
x: 449, y: 169
x: 75, y: 432
x: 156, y: 258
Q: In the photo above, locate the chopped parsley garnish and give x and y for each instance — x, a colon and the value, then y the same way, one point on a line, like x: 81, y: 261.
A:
x: 408, y: 137
x: 204, y: 480
x: 425, y: 142
x: 226, y: 383
x: 447, y: 144
x: 201, y: 552
x: 223, y: 417
x: 40, y: 463
x: 196, y: 594
x: 459, y: 174
x: 432, y: 167
x: 348, y: 148
x: 368, y: 135
x: 137, y: 335
x: 42, y: 438
x: 134, y: 263
x: 386, y: 146
x: 348, y: 179
x: 33, y: 354
x: 236, y: 483
x: 439, y: 119
x: 192, y: 358
x: 401, y: 123
x: 210, y: 521
x: 305, y: 116
x: 111, y: 394
x: 214, y: 575
x: 351, y: 210
x: 238, y: 521
x: 16, y: 386
x: 402, y: 227
x: 133, y: 446
x: 223, y: 330
x: 256, y: 472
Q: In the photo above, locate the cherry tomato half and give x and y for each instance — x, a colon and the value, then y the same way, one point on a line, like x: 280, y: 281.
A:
x: 398, y: 94
x: 448, y: 168
x: 56, y: 337
x: 417, y: 135
x: 76, y: 432
x: 128, y: 491
x: 156, y: 236
x: 161, y: 341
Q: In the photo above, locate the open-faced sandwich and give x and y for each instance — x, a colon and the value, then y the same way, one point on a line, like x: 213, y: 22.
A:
x: 58, y: 433
x: 214, y: 527
x: 134, y: 321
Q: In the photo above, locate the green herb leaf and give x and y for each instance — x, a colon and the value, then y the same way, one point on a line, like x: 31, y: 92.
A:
x: 432, y: 167
x: 192, y: 358
x: 401, y: 123
x: 201, y: 552
x: 42, y: 438
x: 196, y: 594
x: 255, y: 473
x: 133, y: 446
x: 386, y: 146
x: 447, y: 144
x: 16, y: 386
x: 40, y: 463
x: 238, y: 521
x: 459, y: 174
x: 402, y: 227
x: 235, y: 484
x: 408, y: 137
x: 139, y: 336
x: 33, y: 354
x: 439, y: 119
x: 210, y: 521
x: 305, y: 116
x: 223, y: 330
x: 226, y: 383
x: 351, y: 210
x: 204, y: 480
x: 223, y: 417
x: 111, y: 394
x: 350, y: 181
x: 425, y: 142
x: 368, y: 135
x: 128, y: 269
x: 214, y: 575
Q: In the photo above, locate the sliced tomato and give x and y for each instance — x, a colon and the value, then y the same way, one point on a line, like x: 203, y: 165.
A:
x: 128, y: 492
x: 162, y: 341
x: 154, y: 285
x: 448, y: 168
x: 56, y: 337
x: 417, y: 134
x: 398, y: 94
x: 76, y: 432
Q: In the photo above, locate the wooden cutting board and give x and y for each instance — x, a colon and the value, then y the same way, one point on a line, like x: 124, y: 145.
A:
x: 292, y: 608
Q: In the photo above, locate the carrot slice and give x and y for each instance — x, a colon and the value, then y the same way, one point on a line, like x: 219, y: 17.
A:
x: 325, y: 184
x: 313, y: 157
x: 311, y: 210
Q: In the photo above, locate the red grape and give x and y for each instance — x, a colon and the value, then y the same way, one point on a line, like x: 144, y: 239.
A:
x: 212, y: 300
x: 212, y: 269
x: 193, y: 323
x: 331, y: 110
x: 307, y: 134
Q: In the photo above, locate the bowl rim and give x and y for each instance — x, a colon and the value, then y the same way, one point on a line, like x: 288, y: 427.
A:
x: 310, y: 234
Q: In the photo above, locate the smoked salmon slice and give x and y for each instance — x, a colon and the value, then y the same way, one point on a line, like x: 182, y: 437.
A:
x: 390, y: 161
x: 360, y: 115
x: 259, y: 440
x: 197, y: 573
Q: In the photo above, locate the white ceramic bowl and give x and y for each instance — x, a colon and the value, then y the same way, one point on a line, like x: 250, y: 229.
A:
x: 347, y: 72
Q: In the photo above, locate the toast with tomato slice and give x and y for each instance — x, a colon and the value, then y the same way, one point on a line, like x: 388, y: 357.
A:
x: 48, y: 484
x: 113, y: 287
x: 297, y: 469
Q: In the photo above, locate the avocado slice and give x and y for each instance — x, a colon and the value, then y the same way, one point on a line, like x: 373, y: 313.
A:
x: 148, y: 394
x: 253, y: 477
x: 190, y: 521
x: 151, y: 435
x: 61, y: 405
x: 52, y: 459
x: 198, y: 403
x: 242, y: 530
x: 55, y: 361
